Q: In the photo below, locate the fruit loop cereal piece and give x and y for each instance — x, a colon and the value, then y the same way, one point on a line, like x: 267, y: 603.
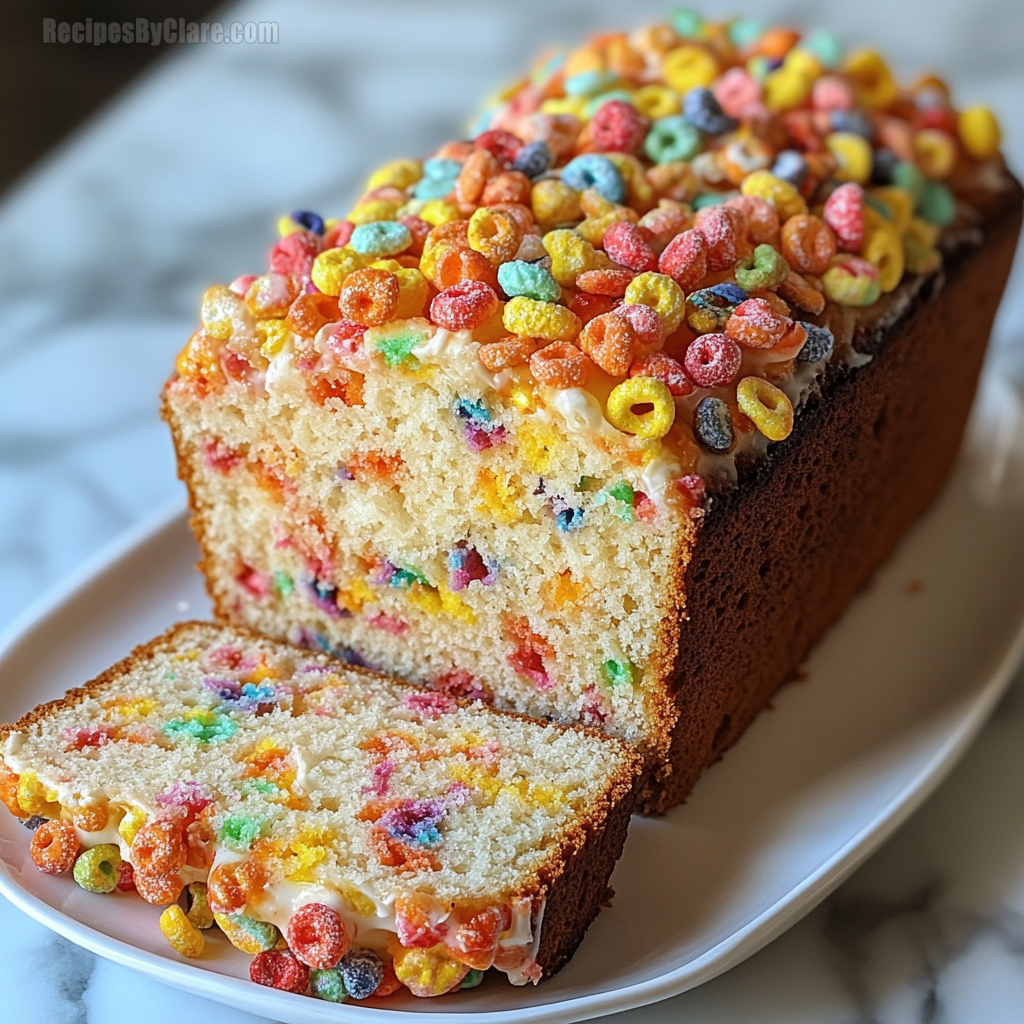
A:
x: 199, y: 912
x: 472, y: 980
x: 518, y: 277
x: 159, y: 848
x: 571, y: 255
x: 853, y: 156
x: 463, y: 306
x: 618, y: 127
x: 872, y: 80
x: 554, y: 202
x: 662, y: 294
x: 851, y: 281
x: 224, y: 890
x: 767, y: 406
x: 685, y: 259
x: 362, y: 971
x: 597, y: 172
x: 270, y: 295
x: 818, y: 346
x: 844, y: 214
x: 666, y: 369
x: 641, y: 391
x: 309, y: 313
x: 781, y: 194
x: 764, y: 269
x: 507, y: 187
x: 439, y: 176
x: 626, y: 245
x: 791, y: 165
x: 609, y: 340
x: 713, y: 360
x: 96, y: 869
x: 533, y: 159
x: 54, y: 847
x: 429, y: 972
x: 761, y: 219
x: 503, y: 145
x: 294, y: 254
x: 672, y: 139
x: 702, y: 109
x: 317, y: 936
x: 712, y: 424
x: 689, y: 67
x: 184, y: 938
x: 494, y: 234
x: 654, y: 101
x: 560, y: 365
x: 381, y: 238
x: 937, y: 204
x: 279, y: 969
x: 884, y: 248
x: 605, y: 282
x: 480, y: 166
x: 979, y: 132
x: 754, y: 324
x: 647, y: 325
x: 507, y: 353
x: 158, y: 889
x: 369, y: 296
x: 724, y: 230
x: 540, y: 319
x: 808, y: 244
x: 125, y: 877
x: 328, y: 984
x: 796, y: 289
x: 332, y: 267
x: 248, y: 934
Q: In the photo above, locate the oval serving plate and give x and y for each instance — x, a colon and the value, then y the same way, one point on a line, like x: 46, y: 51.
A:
x: 895, y: 694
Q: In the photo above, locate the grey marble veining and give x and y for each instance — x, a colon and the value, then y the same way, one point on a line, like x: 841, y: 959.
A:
x: 105, y: 250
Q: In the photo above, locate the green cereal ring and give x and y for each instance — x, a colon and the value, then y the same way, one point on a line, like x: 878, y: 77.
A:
x: 328, y: 984
x: 764, y: 268
x: 672, y: 138
x: 96, y: 870
x: 248, y: 934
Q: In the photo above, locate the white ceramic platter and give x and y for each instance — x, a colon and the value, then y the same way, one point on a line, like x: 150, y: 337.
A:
x: 895, y: 693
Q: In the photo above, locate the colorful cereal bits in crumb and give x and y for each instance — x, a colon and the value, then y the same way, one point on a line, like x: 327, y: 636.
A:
x: 183, y: 937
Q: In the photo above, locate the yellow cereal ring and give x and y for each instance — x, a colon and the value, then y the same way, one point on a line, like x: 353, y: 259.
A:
x: 494, y: 234
x: 179, y: 931
x: 439, y: 211
x: 571, y: 254
x: 767, y: 406
x: 934, y: 153
x: 662, y: 294
x: 575, y: 105
x: 883, y: 247
x: 332, y: 266
x: 287, y: 226
x: 852, y: 153
x: 398, y: 174
x: 656, y: 101
x: 554, y: 202
x: 802, y: 62
x: 687, y: 67
x: 639, y: 192
x: 428, y: 972
x: 780, y: 193
x: 654, y: 423
x: 979, y: 132
x: 375, y: 209
x: 900, y: 203
x: 786, y: 90
x: 272, y: 335
x: 413, y: 292
x: 872, y: 79
x: 534, y: 319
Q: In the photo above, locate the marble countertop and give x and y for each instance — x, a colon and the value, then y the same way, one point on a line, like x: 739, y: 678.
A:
x: 107, y: 246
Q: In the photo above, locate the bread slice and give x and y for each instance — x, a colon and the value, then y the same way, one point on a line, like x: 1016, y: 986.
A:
x: 288, y: 778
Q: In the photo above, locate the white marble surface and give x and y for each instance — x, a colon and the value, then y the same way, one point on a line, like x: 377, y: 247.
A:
x: 106, y: 248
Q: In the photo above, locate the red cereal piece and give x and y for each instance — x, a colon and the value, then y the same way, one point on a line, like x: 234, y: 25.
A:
x: 625, y: 244
x: 691, y: 490
x: 666, y: 369
x: 587, y: 305
x: 605, y: 282
x: 713, y: 360
x: 463, y: 306
x: 419, y: 229
x: 646, y: 324
x: 560, y: 365
x: 294, y: 254
x: 504, y: 145
x: 159, y: 847
x: 279, y: 969
x: 754, y: 324
x: 685, y: 259
x: 762, y: 218
x: 618, y: 127
x: 609, y: 340
x: 808, y: 244
x: 418, y: 920
x: 54, y: 847
x: 844, y: 214
x: 125, y: 877
x: 339, y: 234
x: 317, y: 935
x: 369, y: 296
x: 723, y: 228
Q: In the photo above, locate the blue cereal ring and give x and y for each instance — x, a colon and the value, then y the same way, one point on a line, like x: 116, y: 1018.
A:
x: 672, y: 138
x: 381, y: 238
x: 438, y: 179
x: 309, y: 220
x: 533, y: 159
x: 520, y: 278
x: 790, y: 165
x: 591, y: 170
x: 703, y: 110
x: 712, y: 423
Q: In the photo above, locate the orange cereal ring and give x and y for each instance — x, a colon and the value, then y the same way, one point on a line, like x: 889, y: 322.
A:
x: 159, y: 848
x: 224, y: 892
x: 9, y: 790
x: 797, y: 290
x: 454, y: 265
x: 560, y: 365
x: 54, y: 847
x: 157, y: 888
x: 754, y: 324
x: 762, y: 218
x: 480, y: 166
x: 454, y: 231
x: 369, y: 296
x: 308, y: 313
x: 507, y: 353
x: 609, y: 340
x: 808, y: 244
x: 90, y: 817
x: 605, y: 282
x: 521, y: 214
x: 507, y: 187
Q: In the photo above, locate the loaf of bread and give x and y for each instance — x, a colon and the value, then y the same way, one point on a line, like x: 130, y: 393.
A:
x: 607, y: 413
x: 436, y: 835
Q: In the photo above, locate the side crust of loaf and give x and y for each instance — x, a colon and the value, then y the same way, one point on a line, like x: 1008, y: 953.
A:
x: 780, y: 556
